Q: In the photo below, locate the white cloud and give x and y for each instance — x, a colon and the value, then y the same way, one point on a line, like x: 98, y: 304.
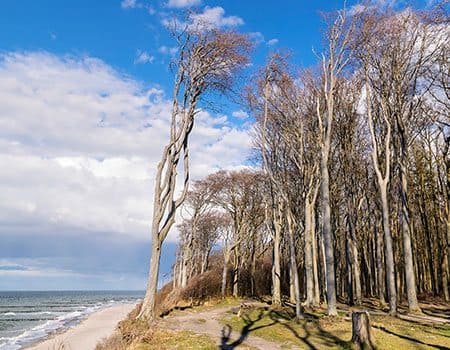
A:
x: 257, y: 37
x: 143, y: 57
x: 357, y: 9
x: 183, y: 3
x: 215, y: 17
x: 126, y: 4
x: 240, y: 114
x: 133, y: 4
x: 382, y: 4
x: 272, y: 42
x: 165, y: 50
x: 79, y: 144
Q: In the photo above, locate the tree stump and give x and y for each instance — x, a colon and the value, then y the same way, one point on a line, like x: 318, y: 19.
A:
x: 361, y: 330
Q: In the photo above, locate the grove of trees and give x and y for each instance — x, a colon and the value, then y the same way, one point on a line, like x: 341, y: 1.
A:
x: 349, y: 196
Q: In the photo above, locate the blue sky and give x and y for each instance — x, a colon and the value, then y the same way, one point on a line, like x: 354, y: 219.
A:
x: 106, y: 30
x: 84, y: 104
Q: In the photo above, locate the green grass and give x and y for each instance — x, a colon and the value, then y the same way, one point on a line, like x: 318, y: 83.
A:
x: 181, y: 340
x: 321, y: 332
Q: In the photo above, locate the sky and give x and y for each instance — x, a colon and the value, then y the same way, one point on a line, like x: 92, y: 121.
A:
x: 84, y: 104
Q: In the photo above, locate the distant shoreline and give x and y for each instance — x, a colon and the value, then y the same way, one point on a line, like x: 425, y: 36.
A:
x: 86, y: 334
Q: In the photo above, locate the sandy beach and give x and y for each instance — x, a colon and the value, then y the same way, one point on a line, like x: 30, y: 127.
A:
x: 88, y: 333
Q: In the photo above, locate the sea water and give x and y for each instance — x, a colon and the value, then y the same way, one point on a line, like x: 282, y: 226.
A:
x: 28, y: 317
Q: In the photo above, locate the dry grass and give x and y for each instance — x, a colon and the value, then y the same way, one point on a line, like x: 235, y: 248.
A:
x: 179, y: 340
x: 135, y: 335
x: 129, y: 331
x: 61, y: 346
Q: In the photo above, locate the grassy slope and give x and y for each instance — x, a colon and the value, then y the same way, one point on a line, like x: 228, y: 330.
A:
x: 163, y: 339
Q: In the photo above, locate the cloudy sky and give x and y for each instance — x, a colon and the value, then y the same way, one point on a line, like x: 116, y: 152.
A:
x: 84, y: 105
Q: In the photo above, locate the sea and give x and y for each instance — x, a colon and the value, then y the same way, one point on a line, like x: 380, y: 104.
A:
x: 28, y: 317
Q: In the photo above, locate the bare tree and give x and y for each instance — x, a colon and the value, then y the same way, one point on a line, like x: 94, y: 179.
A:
x: 278, y: 106
x: 333, y: 62
x: 383, y: 181
x: 399, y: 50
x: 239, y: 194
x: 228, y: 246
x: 208, y: 58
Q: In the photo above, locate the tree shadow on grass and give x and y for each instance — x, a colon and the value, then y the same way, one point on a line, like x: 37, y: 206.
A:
x: 285, y: 320
x: 410, y: 338
x: 311, y: 322
x: 249, y: 327
x: 275, y: 315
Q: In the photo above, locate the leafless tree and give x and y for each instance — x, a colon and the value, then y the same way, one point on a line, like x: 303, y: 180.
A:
x: 399, y: 51
x: 333, y: 62
x: 208, y: 59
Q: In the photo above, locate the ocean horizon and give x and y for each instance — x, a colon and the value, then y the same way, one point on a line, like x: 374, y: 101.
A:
x: 27, y: 317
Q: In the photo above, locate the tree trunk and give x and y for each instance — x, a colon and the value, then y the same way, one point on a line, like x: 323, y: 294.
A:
x: 148, y: 304
x: 309, y: 255
x: 226, y: 259
x: 323, y: 270
x: 316, y: 273
x: 204, y: 264
x: 291, y: 283
x: 389, y: 251
x: 315, y: 260
x: 413, y: 304
x: 175, y: 275
x: 236, y: 273
x: 356, y: 271
x: 296, y: 282
x: 253, y: 269
x: 327, y: 235
x: 445, y: 273
x: 349, y: 271
x: 446, y: 157
x: 276, y: 268
x: 380, y: 268
x: 184, y: 271
x: 361, y: 330
x: 353, y: 249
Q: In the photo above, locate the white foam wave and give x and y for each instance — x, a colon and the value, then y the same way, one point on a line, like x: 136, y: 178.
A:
x: 44, y: 329
x: 31, y: 313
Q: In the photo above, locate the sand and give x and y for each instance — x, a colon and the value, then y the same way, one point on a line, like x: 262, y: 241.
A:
x: 89, y: 332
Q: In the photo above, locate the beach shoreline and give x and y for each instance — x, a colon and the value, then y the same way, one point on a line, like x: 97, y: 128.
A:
x: 86, y: 334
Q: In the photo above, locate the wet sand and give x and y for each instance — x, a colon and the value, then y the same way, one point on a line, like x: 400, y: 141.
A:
x: 89, y: 332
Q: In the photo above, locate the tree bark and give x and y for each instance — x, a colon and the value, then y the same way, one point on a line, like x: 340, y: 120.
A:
x: 315, y: 259
x: 226, y: 259
x: 413, y: 304
x: 389, y: 251
x: 361, y: 334
x: 380, y: 268
x: 148, y: 304
x: 382, y: 185
x: 276, y: 268
x: 309, y: 273
x: 236, y: 273
x: 327, y: 235
x: 294, y: 269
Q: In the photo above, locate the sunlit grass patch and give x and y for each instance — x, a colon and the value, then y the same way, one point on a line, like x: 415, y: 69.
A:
x: 176, y: 340
x: 321, y: 332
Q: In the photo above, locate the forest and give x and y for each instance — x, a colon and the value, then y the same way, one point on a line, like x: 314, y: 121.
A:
x: 347, y: 195
x: 351, y: 195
